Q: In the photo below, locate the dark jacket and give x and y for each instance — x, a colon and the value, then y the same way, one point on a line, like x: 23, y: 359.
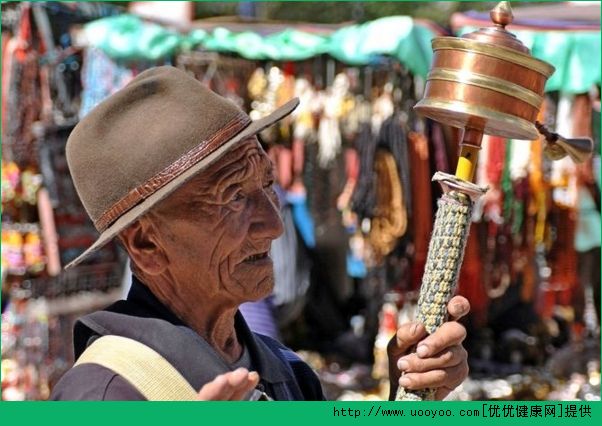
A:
x: 283, y: 375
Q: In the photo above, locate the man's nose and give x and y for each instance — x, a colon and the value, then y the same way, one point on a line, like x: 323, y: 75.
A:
x: 267, y: 220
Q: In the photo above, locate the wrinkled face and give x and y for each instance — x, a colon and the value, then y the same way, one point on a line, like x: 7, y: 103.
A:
x: 216, y: 230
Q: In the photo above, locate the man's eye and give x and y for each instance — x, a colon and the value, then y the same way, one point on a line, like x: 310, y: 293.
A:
x: 238, y: 196
x: 269, y: 184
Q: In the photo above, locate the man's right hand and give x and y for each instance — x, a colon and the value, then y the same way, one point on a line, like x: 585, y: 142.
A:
x: 232, y: 386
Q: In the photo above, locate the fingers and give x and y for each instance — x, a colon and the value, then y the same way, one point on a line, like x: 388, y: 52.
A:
x: 449, y: 357
x: 232, y: 386
x: 213, y: 390
x: 446, y: 377
x: 246, y: 386
x: 457, y: 307
x: 439, y: 360
x: 407, y: 336
x: 449, y: 334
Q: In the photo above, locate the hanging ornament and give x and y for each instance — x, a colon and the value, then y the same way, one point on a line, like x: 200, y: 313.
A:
x: 12, y: 251
x: 257, y: 84
x: 33, y: 252
x: 386, y: 330
x: 31, y: 182
x: 303, y: 114
x: 329, y: 133
x: 10, y: 181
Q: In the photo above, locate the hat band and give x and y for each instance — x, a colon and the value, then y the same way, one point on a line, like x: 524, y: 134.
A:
x: 175, y: 169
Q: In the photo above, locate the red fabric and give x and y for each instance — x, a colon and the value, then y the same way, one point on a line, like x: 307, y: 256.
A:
x: 24, y: 34
x: 495, y: 159
x: 352, y: 165
x: 471, y: 284
x: 298, y: 157
x: 422, y: 218
x: 282, y: 158
x: 562, y: 259
x: 581, y: 112
x: 9, y: 45
x: 285, y: 167
x: 289, y: 68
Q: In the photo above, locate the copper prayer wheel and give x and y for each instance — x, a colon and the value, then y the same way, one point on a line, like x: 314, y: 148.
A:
x: 486, y: 81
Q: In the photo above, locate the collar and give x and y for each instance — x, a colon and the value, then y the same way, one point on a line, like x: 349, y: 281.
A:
x: 143, y: 303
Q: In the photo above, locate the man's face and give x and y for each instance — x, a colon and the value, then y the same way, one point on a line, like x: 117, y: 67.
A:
x: 216, y: 230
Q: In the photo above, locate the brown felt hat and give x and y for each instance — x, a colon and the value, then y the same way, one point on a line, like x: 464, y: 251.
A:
x: 140, y: 144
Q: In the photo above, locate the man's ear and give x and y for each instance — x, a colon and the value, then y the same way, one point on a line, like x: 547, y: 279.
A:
x: 142, y: 245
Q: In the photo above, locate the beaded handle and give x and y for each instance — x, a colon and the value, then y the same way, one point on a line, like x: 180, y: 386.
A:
x: 446, y: 251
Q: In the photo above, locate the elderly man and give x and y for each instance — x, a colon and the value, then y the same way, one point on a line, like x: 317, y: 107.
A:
x: 176, y: 173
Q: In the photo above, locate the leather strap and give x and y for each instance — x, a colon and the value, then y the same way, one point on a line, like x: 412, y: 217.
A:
x: 185, y: 162
x: 151, y: 374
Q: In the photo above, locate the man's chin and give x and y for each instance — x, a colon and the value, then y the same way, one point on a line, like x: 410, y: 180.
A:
x: 264, y: 289
x: 255, y: 282
x: 254, y: 286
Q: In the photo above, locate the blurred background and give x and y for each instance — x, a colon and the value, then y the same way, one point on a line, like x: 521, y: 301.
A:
x: 349, y: 265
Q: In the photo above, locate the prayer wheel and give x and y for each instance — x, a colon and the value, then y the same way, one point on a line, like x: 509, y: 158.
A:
x: 485, y: 82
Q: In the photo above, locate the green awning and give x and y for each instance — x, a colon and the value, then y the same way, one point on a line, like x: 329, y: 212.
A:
x: 127, y: 37
x: 288, y: 45
x: 396, y: 36
x: 576, y: 55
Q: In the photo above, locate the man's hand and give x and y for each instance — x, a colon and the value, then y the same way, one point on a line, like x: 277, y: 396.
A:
x: 232, y: 386
x: 439, y: 361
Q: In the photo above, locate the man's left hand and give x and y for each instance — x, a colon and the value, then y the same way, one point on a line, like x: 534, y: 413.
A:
x: 440, y: 361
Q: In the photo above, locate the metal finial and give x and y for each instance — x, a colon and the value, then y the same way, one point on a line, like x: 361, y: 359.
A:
x: 501, y: 15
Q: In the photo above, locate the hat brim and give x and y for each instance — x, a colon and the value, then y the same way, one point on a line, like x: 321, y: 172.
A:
x: 137, y: 211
